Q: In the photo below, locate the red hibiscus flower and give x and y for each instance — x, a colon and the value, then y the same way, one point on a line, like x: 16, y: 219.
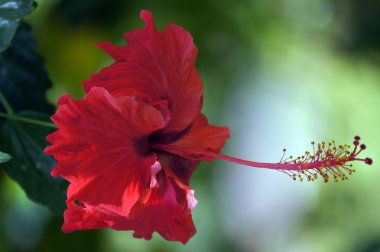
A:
x: 106, y: 143
x: 130, y: 146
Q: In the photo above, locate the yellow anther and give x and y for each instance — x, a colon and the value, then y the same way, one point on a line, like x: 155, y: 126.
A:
x: 328, y: 161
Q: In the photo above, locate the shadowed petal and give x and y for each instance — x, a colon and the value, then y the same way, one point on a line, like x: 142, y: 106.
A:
x: 182, y: 167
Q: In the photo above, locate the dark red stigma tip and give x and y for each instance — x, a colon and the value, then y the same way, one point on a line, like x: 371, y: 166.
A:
x: 368, y: 161
x: 356, y: 142
x: 362, y: 146
x: 357, y: 138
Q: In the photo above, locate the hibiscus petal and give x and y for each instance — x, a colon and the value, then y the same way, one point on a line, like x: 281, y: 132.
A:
x: 185, y: 195
x: 159, y: 211
x: 78, y: 218
x: 200, y: 137
x: 81, y: 217
x: 158, y: 65
x: 155, y: 169
x: 101, y: 148
x: 182, y: 167
x: 116, y: 52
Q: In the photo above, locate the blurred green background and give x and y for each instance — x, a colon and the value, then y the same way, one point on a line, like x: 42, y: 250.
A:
x: 279, y: 74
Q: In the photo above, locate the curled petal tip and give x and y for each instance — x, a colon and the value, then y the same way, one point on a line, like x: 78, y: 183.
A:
x: 147, y: 17
x: 145, y: 13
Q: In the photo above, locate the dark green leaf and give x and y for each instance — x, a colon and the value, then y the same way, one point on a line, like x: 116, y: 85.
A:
x: 30, y: 166
x: 4, y: 157
x: 11, y: 12
x: 24, y: 83
x: 23, y: 79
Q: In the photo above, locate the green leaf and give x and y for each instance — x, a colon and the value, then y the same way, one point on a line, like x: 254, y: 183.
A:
x: 4, y: 157
x: 11, y: 12
x: 23, y: 79
x: 24, y: 82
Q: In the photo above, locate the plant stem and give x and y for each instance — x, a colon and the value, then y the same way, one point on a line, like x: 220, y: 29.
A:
x: 5, y: 103
x: 28, y: 120
x: 10, y: 114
